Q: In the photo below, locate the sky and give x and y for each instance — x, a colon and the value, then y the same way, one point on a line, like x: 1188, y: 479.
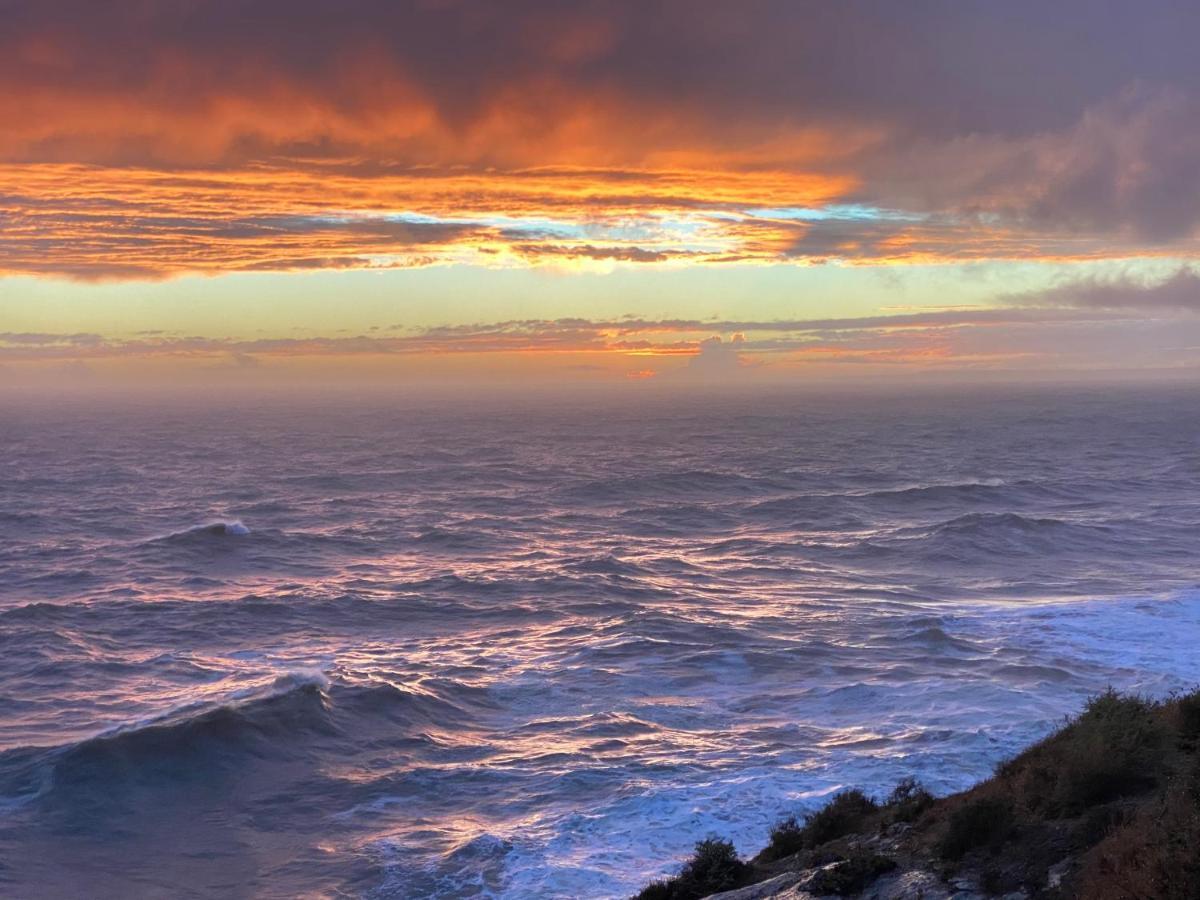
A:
x: 601, y: 191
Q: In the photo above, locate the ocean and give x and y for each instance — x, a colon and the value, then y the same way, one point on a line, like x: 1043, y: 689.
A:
x: 408, y: 647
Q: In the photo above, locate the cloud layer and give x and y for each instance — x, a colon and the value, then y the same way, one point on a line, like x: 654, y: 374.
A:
x: 1052, y: 337
x: 1178, y: 293
x: 145, y: 138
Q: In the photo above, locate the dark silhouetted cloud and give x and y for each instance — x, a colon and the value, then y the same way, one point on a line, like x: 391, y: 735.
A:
x: 1179, y: 292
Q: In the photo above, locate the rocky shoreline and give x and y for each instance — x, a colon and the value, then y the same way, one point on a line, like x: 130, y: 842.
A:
x: 1106, y: 808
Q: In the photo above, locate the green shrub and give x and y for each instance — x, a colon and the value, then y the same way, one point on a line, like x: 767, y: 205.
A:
x: 1188, y: 716
x: 907, y: 801
x: 843, y: 815
x: 787, y: 837
x: 1114, y: 749
x: 714, y: 867
x: 851, y: 876
x: 657, y: 890
x: 975, y: 824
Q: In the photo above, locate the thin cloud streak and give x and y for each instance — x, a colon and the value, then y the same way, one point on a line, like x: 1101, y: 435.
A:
x: 985, y: 338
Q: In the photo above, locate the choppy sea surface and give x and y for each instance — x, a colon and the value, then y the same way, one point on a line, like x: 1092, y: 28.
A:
x: 404, y: 648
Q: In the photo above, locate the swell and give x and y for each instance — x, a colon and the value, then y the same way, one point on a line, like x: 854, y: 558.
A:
x: 206, y: 533
x: 697, y: 484
x: 989, y: 534
x: 294, y: 716
x: 995, y: 494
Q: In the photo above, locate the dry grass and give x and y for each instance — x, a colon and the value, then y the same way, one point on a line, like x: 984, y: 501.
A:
x: 1155, y: 855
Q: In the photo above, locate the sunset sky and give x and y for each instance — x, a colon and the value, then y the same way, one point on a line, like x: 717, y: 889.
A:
x: 597, y: 191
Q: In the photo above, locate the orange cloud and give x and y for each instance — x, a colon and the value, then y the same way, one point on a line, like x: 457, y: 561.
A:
x: 95, y: 222
x: 146, y: 139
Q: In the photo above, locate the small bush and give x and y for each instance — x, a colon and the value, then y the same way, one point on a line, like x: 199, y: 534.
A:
x: 843, y: 815
x: 1114, y: 749
x: 851, y: 876
x: 1188, y: 720
x: 657, y: 890
x: 975, y: 824
x: 714, y: 867
x: 787, y: 837
x: 907, y: 801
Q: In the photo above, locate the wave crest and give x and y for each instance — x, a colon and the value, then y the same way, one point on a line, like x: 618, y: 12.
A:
x: 187, y: 743
x: 205, y: 533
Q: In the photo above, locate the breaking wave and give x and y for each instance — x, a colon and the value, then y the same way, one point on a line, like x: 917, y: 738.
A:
x: 206, y: 532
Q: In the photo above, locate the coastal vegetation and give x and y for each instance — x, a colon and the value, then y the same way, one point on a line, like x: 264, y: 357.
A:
x: 1105, y: 808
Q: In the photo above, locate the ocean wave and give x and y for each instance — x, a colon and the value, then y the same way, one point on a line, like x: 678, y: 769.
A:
x: 186, y: 743
x: 231, y: 528
x: 983, y: 523
x: 39, y: 611
x: 462, y: 540
x: 265, y: 724
x: 1034, y: 674
x: 939, y: 495
x: 808, y: 511
x: 935, y: 638
x: 975, y: 535
x: 608, y: 564
x: 698, y: 484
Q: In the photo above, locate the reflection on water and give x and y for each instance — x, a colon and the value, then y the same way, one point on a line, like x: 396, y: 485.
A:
x: 539, y: 649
